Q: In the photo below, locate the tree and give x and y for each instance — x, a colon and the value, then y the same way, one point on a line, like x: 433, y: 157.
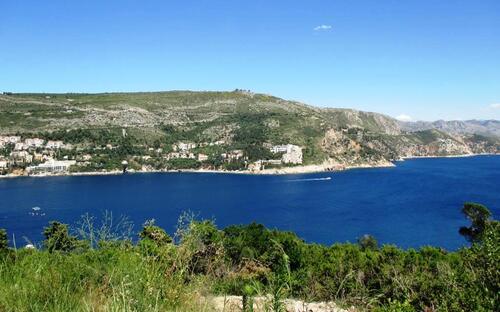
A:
x: 4, y: 242
x: 367, y: 242
x: 154, y: 233
x: 57, y: 237
x: 479, y: 216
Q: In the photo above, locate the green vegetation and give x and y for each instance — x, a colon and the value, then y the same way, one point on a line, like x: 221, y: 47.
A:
x: 4, y: 241
x: 102, y: 269
x: 241, y: 120
x: 479, y: 216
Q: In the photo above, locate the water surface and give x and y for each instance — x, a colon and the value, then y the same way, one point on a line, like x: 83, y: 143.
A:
x: 413, y: 204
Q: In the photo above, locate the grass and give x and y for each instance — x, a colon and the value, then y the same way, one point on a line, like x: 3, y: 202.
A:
x: 114, y: 279
x: 104, y: 271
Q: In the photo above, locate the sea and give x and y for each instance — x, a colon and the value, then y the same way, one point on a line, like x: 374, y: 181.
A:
x: 416, y: 203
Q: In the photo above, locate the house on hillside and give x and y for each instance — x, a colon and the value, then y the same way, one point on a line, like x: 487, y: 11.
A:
x: 21, y: 157
x: 54, y: 144
x: 202, y: 157
x: 292, y: 154
x: 183, y: 147
x: 34, y: 142
x: 233, y: 155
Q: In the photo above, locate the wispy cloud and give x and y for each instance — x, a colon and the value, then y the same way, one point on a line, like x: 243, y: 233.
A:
x: 495, y: 106
x: 322, y: 27
x: 404, y: 117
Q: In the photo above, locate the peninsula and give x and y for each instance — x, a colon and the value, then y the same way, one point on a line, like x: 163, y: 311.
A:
x: 237, y: 131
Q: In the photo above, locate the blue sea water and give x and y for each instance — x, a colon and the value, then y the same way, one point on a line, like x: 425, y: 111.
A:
x: 414, y: 204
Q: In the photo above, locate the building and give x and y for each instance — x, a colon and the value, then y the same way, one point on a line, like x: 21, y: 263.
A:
x: 202, y: 157
x: 175, y: 155
x: 37, y: 156
x: 54, y: 144
x: 52, y: 166
x: 86, y: 157
x: 21, y: 157
x: 34, y: 142
x: 256, y: 166
x: 4, y: 163
x: 275, y: 162
x: 292, y: 154
x: 183, y: 147
x: 278, y: 149
x: 11, y: 139
x: 20, y: 146
x: 233, y: 155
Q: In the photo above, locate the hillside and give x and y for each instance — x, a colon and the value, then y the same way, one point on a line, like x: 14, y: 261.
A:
x: 481, y: 127
x: 219, y: 123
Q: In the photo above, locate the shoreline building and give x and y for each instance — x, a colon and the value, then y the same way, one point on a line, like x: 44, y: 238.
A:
x: 292, y: 154
x: 52, y: 166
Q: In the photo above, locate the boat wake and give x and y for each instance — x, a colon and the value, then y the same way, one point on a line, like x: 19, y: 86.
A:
x: 311, y: 179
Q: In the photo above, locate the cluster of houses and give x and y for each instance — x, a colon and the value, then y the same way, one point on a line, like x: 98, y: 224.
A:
x: 185, y: 151
x: 289, y: 154
x: 30, y: 150
x: 39, y: 156
x: 31, y: 143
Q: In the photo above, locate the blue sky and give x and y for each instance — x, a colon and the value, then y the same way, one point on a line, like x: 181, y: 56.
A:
x: 423, y: 59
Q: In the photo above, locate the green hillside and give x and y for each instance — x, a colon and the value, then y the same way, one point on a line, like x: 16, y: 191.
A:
x: 240, y: 119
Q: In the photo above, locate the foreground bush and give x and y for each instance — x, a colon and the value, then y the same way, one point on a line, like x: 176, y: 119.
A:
x: 163, y: 273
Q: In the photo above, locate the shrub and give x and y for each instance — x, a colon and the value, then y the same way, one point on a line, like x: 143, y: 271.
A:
x: 367, y: 242
x: 4, y: 241
x: 154, y: 233
x: 57, y: 237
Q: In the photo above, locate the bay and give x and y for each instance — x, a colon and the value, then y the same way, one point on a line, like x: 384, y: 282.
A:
x: 414, y: 204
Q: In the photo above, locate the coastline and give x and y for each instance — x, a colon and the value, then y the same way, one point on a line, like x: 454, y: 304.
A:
x: 278, y: 171
x: 325, y: 167
x: 446, y: 156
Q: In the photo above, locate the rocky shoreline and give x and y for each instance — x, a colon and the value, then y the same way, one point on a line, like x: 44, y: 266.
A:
x: 325, y: 167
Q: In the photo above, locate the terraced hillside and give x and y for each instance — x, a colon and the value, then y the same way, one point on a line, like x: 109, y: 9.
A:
x: 240, y: 119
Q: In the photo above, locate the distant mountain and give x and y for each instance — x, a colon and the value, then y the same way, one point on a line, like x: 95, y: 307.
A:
x: 481, y: 127
x: 243, y: 120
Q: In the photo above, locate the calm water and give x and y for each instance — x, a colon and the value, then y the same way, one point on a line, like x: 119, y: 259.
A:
x: 416, y: 203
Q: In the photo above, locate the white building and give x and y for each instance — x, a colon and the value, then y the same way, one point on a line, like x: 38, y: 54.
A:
x: 11, y: 139
x: 175, y: 155
x: 183, y: 147
x: 34, y: 142
x: 21, y: 157
x: 54, y: 144
x: 52, y: 166
x: 20, y: 146
x: 233, y: 155
x: 292, y: 153
x: 278, y: 149
x: 202, y: 157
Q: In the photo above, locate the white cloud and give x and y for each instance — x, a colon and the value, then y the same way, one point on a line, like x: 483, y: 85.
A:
x: 322, y: 27
x: 404, y: 117
x: 495, y: 106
